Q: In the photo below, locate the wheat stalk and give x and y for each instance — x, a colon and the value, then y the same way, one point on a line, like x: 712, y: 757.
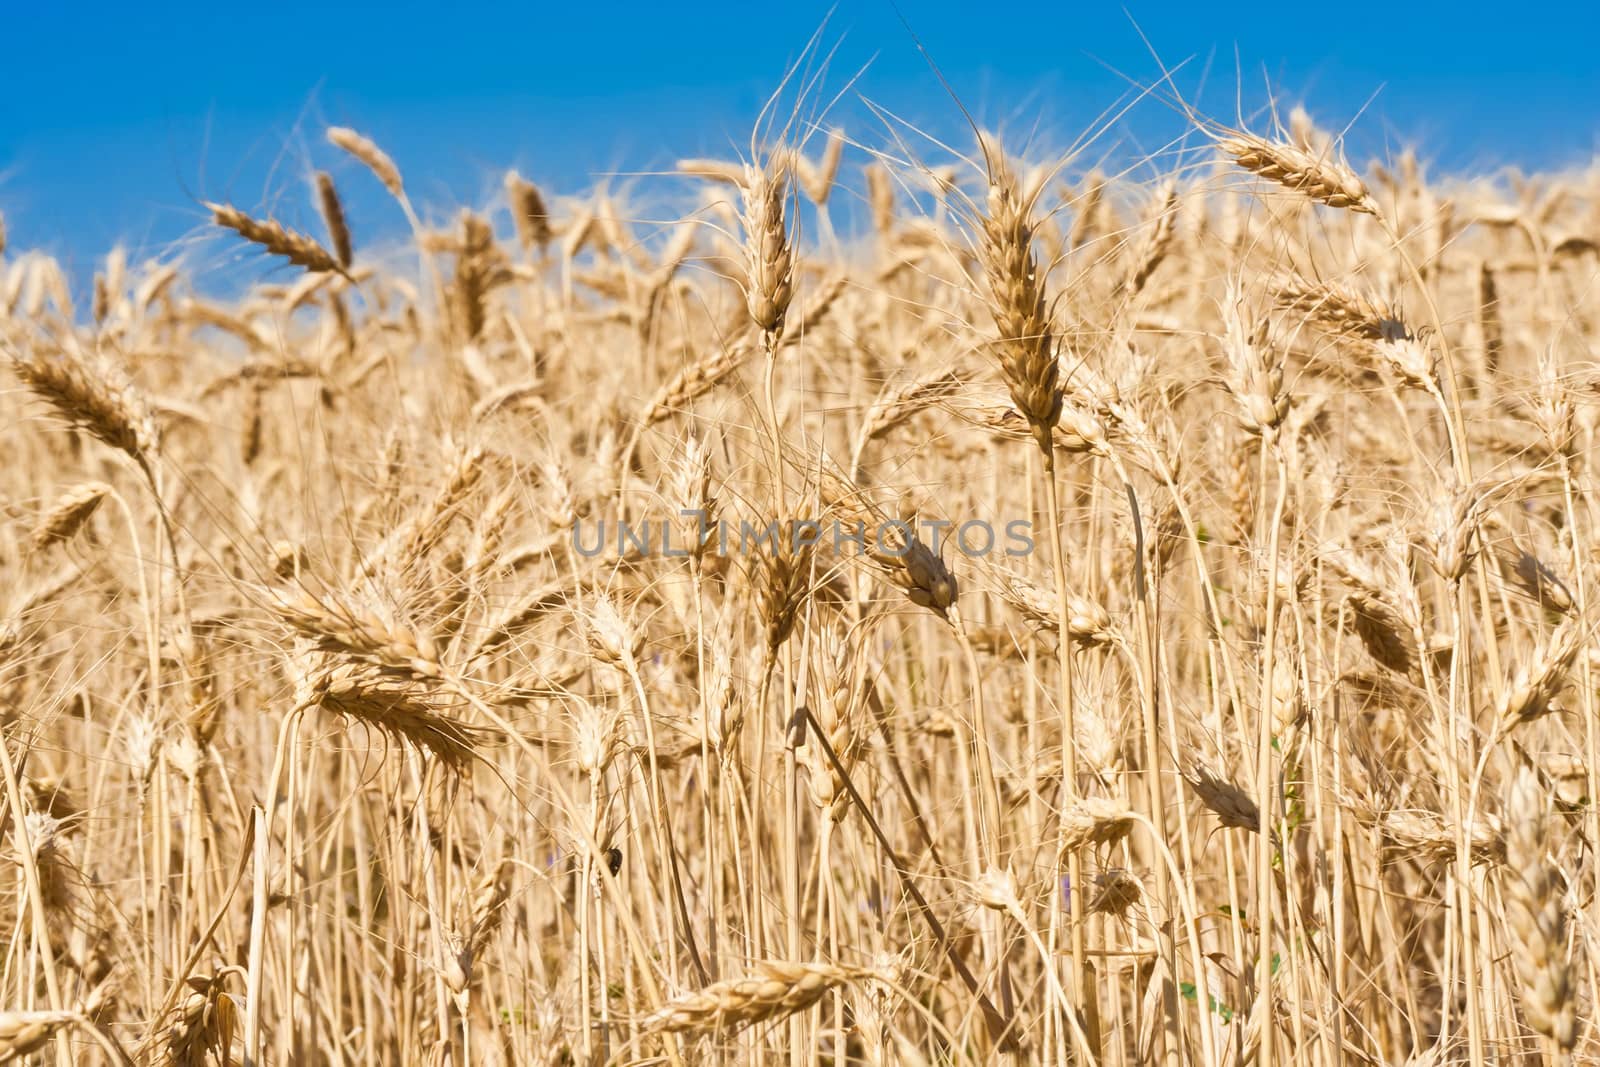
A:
x: 1537, y: 912
x: 1320, y: 177
x: 772, y: 991
x: 68, y: 514
x: 371, y: 155
x: 333, y: 217
x: 93, y: 396
x: 276, y: 238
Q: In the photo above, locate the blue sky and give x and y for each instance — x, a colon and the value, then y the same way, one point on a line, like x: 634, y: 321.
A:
x: 136, y: 112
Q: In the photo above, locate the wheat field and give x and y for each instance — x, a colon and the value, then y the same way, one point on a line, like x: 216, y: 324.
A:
x: 1070, y: 617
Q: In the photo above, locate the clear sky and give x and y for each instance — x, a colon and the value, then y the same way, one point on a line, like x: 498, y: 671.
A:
x: 117, y: 118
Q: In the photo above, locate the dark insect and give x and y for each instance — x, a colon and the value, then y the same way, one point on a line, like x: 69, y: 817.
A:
x: 614, y: 861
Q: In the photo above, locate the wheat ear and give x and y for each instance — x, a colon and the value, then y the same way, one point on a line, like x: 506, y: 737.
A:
x: 774, y: 990
x: 276, y: 238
